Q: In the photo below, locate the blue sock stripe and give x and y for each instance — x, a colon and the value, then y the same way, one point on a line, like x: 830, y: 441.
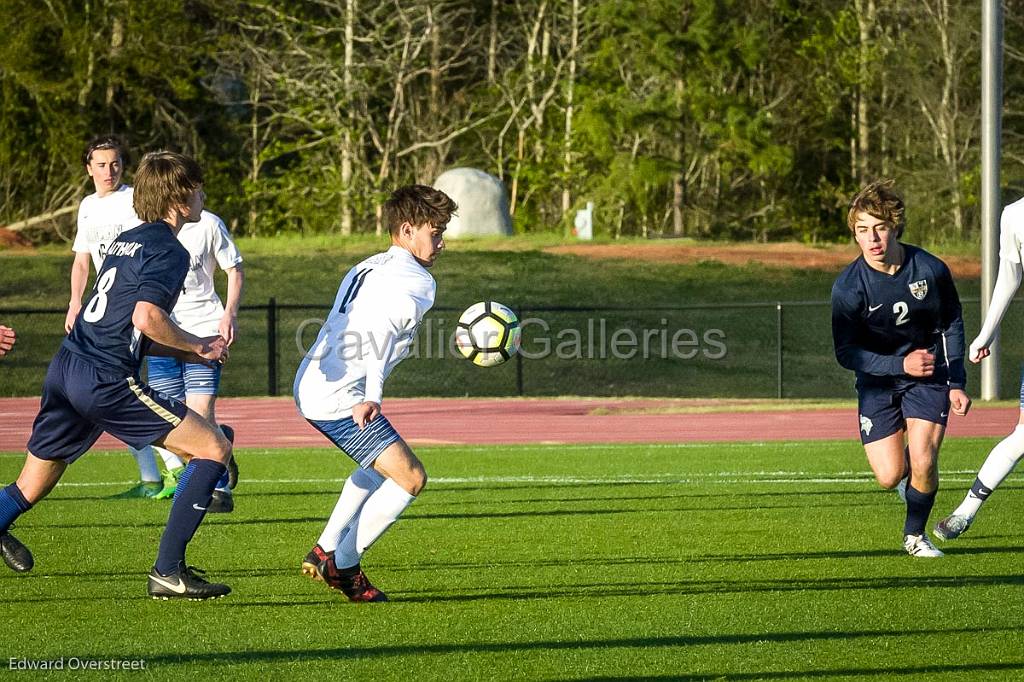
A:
x: 186, y: 475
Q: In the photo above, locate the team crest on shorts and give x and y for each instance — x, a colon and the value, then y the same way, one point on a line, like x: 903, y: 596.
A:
x: 866, y: 425
x: 919, y: 289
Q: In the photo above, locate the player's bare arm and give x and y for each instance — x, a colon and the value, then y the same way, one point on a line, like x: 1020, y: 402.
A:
x: 156, y: 324
x: 79, y: 278
x: 228, y: 327
x: 919, y: 363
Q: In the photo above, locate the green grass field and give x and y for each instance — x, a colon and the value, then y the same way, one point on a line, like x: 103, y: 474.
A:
x: 726, y: 561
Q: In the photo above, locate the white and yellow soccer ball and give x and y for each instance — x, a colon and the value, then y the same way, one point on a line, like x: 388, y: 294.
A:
x: 488, y: 333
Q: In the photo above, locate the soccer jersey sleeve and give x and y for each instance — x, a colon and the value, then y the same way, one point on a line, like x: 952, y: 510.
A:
x: 1011, y: 227
x: 396, y: 318
x: 224, y: 249
x: 161, y: 277
x: 846, y: 325
x: 952, y: 327
x: 80, y: 245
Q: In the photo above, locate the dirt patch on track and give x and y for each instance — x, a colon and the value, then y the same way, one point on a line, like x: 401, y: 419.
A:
x: 787, y: 255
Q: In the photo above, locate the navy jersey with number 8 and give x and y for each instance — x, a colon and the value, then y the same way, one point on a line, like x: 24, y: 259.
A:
x: 146, y: 263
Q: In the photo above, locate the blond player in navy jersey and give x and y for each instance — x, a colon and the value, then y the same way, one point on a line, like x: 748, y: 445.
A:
x: 102, y: 217
x: 897, y: 323
x: 340, y: 383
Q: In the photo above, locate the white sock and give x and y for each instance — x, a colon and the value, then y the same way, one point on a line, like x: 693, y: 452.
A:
x: 171, y: 460
x: 998, y: 465
x: 378, y: 513
x: 359, y: 486
x: 147, y: 464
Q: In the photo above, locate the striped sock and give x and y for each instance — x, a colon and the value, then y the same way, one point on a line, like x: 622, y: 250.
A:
x: 195, y: 490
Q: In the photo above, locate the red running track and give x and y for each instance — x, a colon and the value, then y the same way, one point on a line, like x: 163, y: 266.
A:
x: 274, y: 422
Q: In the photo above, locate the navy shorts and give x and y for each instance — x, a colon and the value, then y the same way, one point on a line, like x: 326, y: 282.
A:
x: 883, y: 410
x: 80, y: 402
x: 364, y: 446
x: 178, y: 379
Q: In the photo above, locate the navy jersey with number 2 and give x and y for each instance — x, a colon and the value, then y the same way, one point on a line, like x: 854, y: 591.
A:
x: 146, y: 263
x: 878, y: 319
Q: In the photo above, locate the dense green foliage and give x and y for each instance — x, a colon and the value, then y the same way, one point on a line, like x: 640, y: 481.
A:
x: 726, y: 561
x: 725, y: 118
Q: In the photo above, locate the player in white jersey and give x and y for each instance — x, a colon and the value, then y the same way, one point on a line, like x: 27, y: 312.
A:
x: 339, y: 385
x: 102, y: 216
x: 1005, y: 455
x: 199, y: 311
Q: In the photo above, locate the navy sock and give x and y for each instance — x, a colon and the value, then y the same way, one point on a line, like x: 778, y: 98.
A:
x: 919, y: 506
x: 12, y: 505
x: 192, y: 497
x: 979, y: 490
x: 222, y: 482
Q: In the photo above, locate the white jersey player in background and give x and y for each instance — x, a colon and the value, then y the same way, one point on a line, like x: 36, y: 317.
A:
x: 199, y: 311
x: 102, y: 216
x: 1005, y: 455
x: 339, y: 385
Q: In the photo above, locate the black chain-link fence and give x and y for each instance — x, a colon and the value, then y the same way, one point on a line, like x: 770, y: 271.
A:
x: 756, y: 350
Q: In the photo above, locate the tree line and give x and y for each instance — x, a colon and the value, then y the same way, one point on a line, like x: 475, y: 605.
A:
x: 740, y: 119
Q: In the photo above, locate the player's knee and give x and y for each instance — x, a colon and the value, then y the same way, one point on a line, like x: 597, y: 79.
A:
x: 889, y: 479
x: 417, y: 480
x: 219, y: 449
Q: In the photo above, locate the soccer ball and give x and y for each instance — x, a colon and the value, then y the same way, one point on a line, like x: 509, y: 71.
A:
x: 488, y: 333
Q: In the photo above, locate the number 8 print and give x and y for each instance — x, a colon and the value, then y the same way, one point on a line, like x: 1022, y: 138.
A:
x: 97, y: 305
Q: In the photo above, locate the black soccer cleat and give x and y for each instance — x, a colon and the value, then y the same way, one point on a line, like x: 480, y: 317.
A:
x: 312, y: 560
x: 222, y: 502
x: 229, y: 433
x: 184, y: 583
x: 16, y: 555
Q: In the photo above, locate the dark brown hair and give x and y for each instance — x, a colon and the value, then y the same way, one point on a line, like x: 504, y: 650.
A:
x: 881, y: 200
x: 416, y: 205
x: 164, y: 180
x: 104, y: 142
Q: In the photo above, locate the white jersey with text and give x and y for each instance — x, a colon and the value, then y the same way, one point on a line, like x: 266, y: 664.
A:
x: 370, y: 329
x: 101, y: 220
x: 1011, y: 232
x: 199, y: 309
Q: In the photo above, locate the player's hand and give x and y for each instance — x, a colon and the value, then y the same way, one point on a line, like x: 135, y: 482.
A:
x: 364, y: 413
x: 978, y: 352
x: 959, y: 402
x: 228, y: 328
x: 919, y: 363
x: 213, y: 349
x: 7, y: 339
x: 69, y: 319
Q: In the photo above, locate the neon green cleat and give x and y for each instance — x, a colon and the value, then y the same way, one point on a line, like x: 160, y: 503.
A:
x: 170, y: 484
x: 143, y: 491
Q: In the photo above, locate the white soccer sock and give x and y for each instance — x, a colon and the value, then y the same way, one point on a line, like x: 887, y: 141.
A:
x: 171, y: 460
x: 359, y: 486
x: 998, y: 465
x: 147, y: 464
x: 378, y: 513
